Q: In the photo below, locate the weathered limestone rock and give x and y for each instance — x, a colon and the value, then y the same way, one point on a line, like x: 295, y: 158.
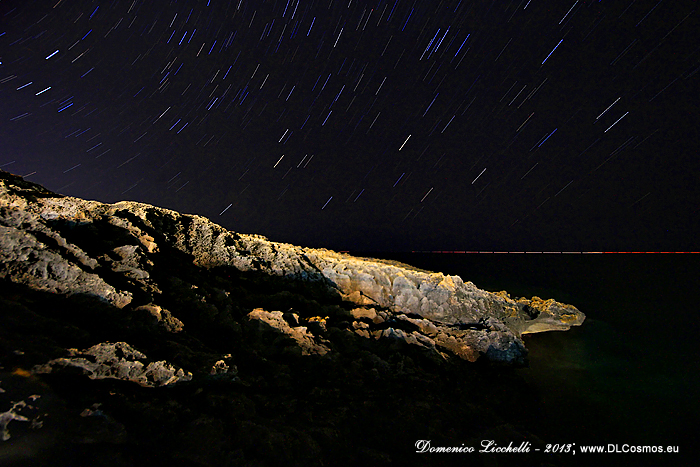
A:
x: 305, y: 340
x: 25, y: 259
x: 71, y: 246
x: 119, y: 361
x: 162, y: 317
x: 550, y: 315
x: 9, y: 416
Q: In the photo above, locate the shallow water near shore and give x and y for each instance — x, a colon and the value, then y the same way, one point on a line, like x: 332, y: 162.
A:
x: 629, y: 374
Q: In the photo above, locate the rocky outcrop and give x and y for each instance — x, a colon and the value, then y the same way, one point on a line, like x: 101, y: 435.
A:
x: 9, y: 416
x: 72, y: 246
x: 302, y: 338
x: 201, y: 346
x: 119, y: 361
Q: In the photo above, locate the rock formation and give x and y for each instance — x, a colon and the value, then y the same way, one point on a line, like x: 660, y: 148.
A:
x: 118, y: 361
x: 126, y: 280
x: 52, y: 243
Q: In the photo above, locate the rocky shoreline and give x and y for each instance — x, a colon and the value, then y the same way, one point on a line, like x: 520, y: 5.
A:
x: 133, y: 334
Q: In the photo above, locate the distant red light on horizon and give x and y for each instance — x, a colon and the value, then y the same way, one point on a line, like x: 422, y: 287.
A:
x: 557, y: 252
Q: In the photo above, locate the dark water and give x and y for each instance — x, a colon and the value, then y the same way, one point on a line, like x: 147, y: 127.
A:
x: 630, y: 374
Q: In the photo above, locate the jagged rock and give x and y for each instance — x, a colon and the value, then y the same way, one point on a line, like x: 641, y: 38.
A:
x: 304, y: 339
x: 26, y: 260
x: 549, y: 315
x: 72, y: 246
x: 9, y: 416
x: 369, y: 313
x: 119, y: 361
x: 220, y: 367
x: 162, y: 317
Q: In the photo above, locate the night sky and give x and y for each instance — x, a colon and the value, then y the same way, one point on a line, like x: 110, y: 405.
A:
x: 384, y: 125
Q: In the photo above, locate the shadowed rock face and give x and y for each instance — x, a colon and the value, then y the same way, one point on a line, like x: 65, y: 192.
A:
x: 155, y: 298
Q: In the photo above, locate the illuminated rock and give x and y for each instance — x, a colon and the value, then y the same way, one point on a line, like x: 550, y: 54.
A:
x: 118, y: 253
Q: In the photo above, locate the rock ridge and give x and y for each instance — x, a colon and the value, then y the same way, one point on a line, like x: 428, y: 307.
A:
x: 129, y: 330
x: 50, y: 243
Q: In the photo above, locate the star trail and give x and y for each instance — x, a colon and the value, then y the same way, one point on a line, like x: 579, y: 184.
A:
x: 367, y: 125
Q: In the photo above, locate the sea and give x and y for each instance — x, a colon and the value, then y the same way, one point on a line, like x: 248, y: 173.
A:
x: 629, y: 376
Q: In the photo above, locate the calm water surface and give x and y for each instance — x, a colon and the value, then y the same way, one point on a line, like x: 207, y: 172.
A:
x: 630, y: 374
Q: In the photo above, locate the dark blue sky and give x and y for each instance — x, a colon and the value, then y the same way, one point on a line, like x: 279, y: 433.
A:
x: 367, y: 125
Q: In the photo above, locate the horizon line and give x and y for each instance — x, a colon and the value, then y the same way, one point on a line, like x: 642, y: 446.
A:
x: 555, y: 252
